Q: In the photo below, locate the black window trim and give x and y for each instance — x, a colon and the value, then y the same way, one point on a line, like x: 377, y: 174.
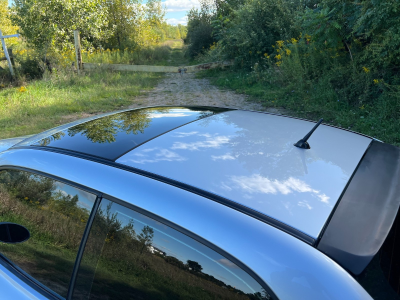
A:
x: 20, y: 273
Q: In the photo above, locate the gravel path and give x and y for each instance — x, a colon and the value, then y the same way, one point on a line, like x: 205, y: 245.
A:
x: 175, y: 89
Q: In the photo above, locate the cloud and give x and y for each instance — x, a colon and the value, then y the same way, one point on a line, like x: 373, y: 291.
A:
x: 259, y: 184
x: 226, y: 156
x: 213, y: 142
x: 181, y: 5
x: 182, y: 21
x: 227, y: 263
x: 167, y: 115
x: 152, y: 156
x: 184, y: 134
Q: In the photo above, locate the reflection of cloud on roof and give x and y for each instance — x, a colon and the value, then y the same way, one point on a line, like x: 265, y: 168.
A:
x: 227, y: 263
x: 167, y: 115
x: 226, y: 156
x: 159, y: 155
x: 259, y: 184
x: 184, y: 134
x: 212, y: 142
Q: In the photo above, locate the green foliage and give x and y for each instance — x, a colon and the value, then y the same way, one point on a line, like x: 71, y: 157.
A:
x: 199, y: 29
x: 30, y: 66
x: 54, y: 28
x: 122, y: 24
x: 255, y: 28
x: 63, y: 97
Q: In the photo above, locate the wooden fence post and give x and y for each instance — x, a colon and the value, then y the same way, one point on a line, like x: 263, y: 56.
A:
x: 10, y: 54
x: 6, y: 53
x: 78, y: 51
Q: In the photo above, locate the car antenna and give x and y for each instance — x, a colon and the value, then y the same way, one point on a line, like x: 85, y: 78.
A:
x: 303, y: 142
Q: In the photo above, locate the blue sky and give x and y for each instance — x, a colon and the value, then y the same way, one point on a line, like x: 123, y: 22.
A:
x: 177, y: 10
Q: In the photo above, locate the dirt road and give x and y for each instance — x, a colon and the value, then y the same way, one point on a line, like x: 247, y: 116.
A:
x: 186, y: 89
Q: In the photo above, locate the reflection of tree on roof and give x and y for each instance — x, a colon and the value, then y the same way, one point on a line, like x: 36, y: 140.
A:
x: 51, y: 138
x: 104, y: 130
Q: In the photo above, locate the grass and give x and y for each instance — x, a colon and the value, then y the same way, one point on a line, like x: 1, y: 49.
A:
x: 379, y: 119
x: 60, y: 98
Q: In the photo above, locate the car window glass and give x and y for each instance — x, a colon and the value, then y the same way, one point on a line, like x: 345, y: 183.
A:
x: 55, y: 215
x: 131, y: 256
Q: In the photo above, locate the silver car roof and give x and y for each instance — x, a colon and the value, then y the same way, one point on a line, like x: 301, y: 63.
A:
x: 249, y: 158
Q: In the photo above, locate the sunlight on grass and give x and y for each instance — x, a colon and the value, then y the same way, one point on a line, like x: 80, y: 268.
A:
x: 60, y: 98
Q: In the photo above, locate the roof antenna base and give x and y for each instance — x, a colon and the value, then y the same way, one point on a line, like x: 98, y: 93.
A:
x: 302, y: 144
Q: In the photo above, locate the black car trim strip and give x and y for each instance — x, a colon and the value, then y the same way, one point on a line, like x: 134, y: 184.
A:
x: 367, y: 210
x: 340, y: 198
x: 82, y: 248
x: 194, y: 237
x: 229, y: 203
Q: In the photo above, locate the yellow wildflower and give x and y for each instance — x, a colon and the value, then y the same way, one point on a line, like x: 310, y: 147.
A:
x: 293, y: 40
x: 265, y: 54
x: 26, y: 198
x: 288, y: 52
x: 376, y: 81
x: 22, y: 89
x: 278, y: 63
x: 278, y: 57
x: 280, y: 43
x: 366, y: 70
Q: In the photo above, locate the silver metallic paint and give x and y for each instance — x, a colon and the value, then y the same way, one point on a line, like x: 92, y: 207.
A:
x: 293, y: 269
x: 13, y: 288
x: 8, y: 143
x: 249, y: 158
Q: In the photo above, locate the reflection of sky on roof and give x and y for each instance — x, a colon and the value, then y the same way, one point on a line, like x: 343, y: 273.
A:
x: 249, y: 158
x: 86, y: 200
x: 184, y: 248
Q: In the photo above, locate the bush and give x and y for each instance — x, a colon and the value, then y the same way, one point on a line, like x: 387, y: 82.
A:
x: 199, y: 30
x: 31, y: 68
x: 255, y: 28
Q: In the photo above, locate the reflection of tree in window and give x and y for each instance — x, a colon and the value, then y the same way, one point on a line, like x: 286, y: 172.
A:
x: 56, y: 221
x: 121, y: 262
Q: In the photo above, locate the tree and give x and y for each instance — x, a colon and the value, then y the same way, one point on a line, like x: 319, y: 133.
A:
x: 123, y: 23
x: 5, y: 22
x: 49, y: 24
x: 195, y: 266
x: 146, y: 237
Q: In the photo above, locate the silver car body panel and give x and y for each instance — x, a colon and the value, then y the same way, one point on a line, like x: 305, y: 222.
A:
x: 8, y: 143
x: 249, y: 158
x: 13, y: 288
x: 292, y: 268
